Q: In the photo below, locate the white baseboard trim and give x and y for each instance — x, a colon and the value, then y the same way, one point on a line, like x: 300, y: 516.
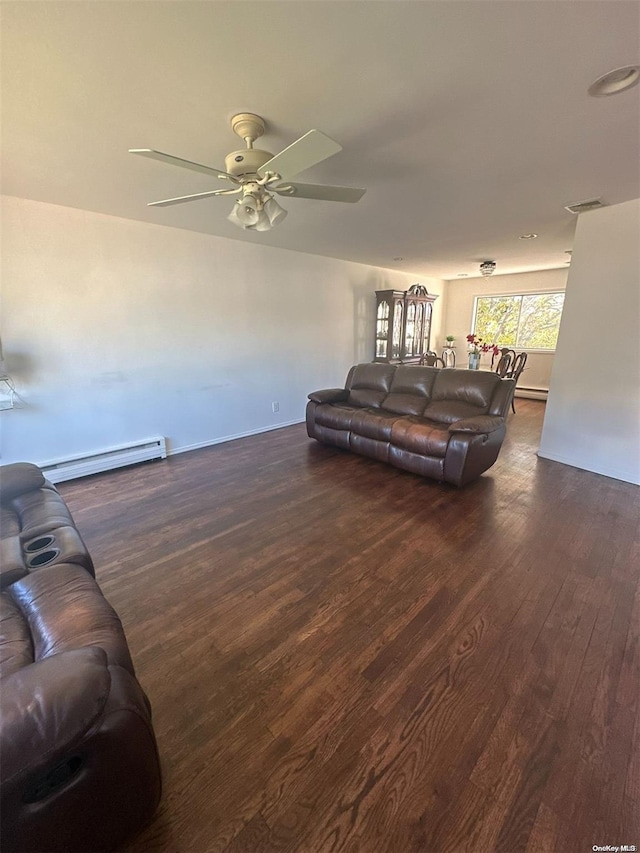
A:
x: 173, y: 451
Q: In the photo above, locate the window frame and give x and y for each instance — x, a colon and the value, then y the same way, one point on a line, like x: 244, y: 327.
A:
x: 520, y: 294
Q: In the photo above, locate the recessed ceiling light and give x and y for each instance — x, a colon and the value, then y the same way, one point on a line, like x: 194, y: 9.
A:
x: 399, y: 258
x: 527, y: 236
x: 613, y: 82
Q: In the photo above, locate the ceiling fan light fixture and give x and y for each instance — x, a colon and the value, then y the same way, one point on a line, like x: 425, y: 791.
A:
x: 248, y: 218
x: 257, y: 211
x: 248, y: 210
x: 233, y: 216
x: 274, y: 211
x: 262, y: 223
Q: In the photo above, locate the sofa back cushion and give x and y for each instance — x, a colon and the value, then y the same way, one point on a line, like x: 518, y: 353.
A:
x: 18, y: 478
x: 369, y: 384
x: 410, y: 390
x: 460, y: 394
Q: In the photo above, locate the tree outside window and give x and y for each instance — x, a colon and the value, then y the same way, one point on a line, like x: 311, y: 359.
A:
x: 522, y: 321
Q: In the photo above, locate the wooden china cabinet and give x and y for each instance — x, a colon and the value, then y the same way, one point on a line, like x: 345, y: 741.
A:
x: 403, y: 324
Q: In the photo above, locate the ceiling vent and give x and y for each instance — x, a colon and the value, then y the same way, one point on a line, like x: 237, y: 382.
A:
x: 584, y: 206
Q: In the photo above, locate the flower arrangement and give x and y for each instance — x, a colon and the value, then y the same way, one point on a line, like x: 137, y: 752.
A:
x: 477, y: 346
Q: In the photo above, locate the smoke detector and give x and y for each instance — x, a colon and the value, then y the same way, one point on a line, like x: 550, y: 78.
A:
x: 584, y: 206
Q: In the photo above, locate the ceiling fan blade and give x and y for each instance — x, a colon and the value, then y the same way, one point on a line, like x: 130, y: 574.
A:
x: 320, y: 191
x: 167, y: 201
x: 185, y: 164
x: 305, y: 152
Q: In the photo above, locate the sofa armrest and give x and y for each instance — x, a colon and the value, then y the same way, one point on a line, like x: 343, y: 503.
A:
x: 329, y: 395
x: 480, y: 425
x: 80, y: 764
x: 48, y: 708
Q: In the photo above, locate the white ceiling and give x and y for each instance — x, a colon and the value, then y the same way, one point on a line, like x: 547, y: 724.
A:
x: 469, y: 123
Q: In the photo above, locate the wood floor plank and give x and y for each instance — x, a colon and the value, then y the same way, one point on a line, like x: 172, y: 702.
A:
x: 342, y: 656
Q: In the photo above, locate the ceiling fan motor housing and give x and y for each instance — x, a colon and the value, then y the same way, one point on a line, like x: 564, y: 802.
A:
x: 246, y: 161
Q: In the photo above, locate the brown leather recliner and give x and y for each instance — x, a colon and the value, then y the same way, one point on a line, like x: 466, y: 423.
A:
x: 446, y: 424
x: 80, y: 769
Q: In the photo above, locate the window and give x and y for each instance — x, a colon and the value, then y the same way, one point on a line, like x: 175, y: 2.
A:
x: 524, y: 320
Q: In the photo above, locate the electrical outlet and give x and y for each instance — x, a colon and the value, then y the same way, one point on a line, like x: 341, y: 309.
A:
x: 275, y: 407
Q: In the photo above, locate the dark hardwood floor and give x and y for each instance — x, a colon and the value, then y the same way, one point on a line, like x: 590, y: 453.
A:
x: 345, y: 657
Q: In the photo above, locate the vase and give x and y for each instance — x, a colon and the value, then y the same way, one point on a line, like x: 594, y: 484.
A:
x: 474, y: 361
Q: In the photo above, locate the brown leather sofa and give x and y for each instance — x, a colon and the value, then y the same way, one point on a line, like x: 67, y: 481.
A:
x: 446, y: 424
x: 80, y: 769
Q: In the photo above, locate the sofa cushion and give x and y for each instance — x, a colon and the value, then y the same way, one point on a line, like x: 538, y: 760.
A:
x: 460, y: 394
x: 334, y: 415
x: 370, y: 384
x: 12, y: 564
x: 65, y: 609
x: 373, y: 423
x: 474, y: 387
x: 9, y: 522
x: 450, y: 411
x: 420, y: 436
x: 42, y: 510
x: 482, y: 424
x: 410, y: 389
x: 16, y: 647
x: 17, y: 478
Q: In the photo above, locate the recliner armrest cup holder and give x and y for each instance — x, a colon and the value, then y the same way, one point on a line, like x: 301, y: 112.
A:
x: 43, y: 558
x: 39, y: 544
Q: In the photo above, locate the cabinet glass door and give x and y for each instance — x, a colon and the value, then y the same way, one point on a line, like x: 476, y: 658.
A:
x: 382, y: 330
x: 396, y: 339
x: 410, y: 331
x: 426, y: 327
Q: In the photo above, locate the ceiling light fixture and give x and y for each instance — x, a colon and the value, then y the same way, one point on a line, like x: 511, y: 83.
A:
x: 488, y: 267
x: 616, y: 81
x: 527, y: 236
x: 257, y: 210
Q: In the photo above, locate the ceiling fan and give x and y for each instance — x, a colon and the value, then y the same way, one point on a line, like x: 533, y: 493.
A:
x: 255, y: 174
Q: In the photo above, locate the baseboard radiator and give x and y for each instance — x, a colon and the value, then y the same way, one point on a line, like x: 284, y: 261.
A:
x: 532, y: 393
x: 58, y: 470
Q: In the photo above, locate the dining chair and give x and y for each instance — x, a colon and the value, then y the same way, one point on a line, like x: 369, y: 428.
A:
x: 505, y: 362
x: 514, y: 371
x: 432, y: 359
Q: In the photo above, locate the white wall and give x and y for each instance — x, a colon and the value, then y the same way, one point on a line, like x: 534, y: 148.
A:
x: 460, y: 295
x: 593, y: 413
x: 116, y: 330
